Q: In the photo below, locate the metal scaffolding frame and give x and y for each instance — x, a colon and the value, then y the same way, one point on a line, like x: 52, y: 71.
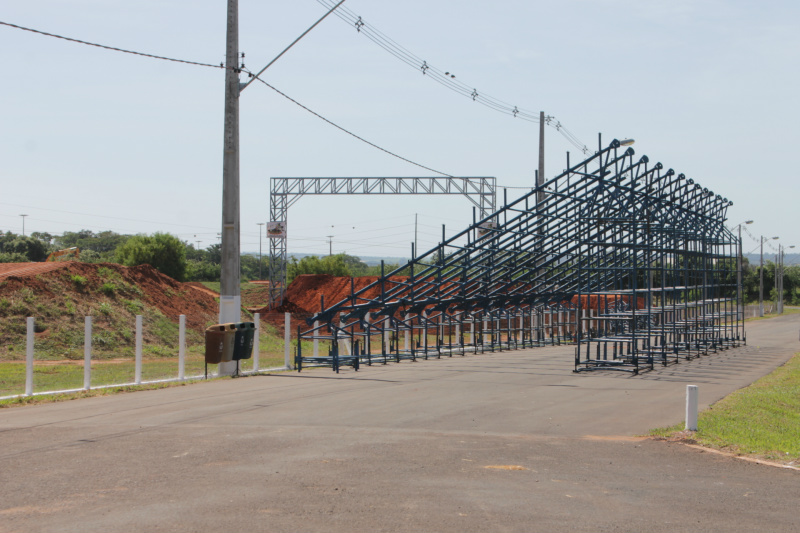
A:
x: 284, y: 192
x: 628, y: 261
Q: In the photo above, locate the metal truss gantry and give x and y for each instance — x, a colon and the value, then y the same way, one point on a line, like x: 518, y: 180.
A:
x: 284, y: 192
x: 629, y: 261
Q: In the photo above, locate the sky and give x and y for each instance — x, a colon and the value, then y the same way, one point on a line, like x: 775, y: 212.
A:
x: 100, y: 140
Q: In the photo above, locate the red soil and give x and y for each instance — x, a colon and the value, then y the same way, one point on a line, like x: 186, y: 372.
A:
x: 171, y: 297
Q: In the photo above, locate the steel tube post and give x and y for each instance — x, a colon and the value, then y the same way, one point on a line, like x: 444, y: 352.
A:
x: 138, y: 377
x: 87, y: 352
x: 29, y: 357
x: 230, y: 294
x: 182, y: 347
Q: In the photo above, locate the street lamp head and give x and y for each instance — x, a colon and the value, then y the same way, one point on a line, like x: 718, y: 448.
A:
x: 748, y: 221
x: 626, y: 142
x: 775, y: 238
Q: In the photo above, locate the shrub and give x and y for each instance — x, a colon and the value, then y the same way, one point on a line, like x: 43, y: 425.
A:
x: 79, y: 281
x: 108, y: 288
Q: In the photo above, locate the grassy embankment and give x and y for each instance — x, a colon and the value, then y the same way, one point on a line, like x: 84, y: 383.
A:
x: 761, y: 420
x: 113, y: 304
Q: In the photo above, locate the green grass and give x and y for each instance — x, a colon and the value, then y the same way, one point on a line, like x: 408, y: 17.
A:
x: 761, y: 420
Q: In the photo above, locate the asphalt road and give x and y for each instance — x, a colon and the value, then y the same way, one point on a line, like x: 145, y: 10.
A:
x: 509, y: 441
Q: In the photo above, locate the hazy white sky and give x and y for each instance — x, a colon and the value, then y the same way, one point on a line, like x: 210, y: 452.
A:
x: 101, y: 140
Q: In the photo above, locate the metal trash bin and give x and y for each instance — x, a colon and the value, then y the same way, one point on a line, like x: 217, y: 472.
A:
x: 243, y: 344
x: 220, y: 339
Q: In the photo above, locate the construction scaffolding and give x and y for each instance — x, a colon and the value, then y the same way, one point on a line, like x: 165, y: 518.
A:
x: 630, y: 262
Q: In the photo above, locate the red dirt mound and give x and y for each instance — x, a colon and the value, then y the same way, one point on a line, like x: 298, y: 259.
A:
x: 171, y: 297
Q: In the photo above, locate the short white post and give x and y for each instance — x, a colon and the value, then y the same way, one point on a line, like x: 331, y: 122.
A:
x: 316, y: 340
x: 519, y: 335
x: 138, y: 373
x: 87, y: 352
x: 386, y: 335
x: 458, y: 328
x: 407, y: 335
x: 287, y: 341
x: 256, y: 340
x: 29, y: 358
x: 472, y: 332
x: 691, y: 407
x: 182, y: 347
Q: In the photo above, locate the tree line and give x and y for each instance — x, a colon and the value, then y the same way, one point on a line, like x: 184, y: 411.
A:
x: 168, y: 254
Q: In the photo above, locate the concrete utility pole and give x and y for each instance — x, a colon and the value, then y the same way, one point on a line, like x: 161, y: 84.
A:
x: 230, y: 296
x: 23, y: 224
x: 330, y: 243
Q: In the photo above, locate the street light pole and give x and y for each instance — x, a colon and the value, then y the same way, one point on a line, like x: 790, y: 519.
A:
x: 260, y: 277
x: 23, y: 224
x: 739, y: 290
x: 761, y: 279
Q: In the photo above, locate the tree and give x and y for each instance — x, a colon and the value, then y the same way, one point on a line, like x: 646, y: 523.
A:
x: 164, y: 252
x: 18, y: 245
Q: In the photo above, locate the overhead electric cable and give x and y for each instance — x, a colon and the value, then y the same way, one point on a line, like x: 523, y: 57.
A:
x: 152, y: 56
x: 350, y: 132
x: 112, y: 48
x: 445, y: 78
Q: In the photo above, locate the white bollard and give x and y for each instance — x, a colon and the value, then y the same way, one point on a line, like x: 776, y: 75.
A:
x: 87, y: 352
x: 29, y: 358
x: 386, y: 335
x: 256, y: 340
x: 406, y: 336
x: 287, y: 341
x: 691, y: 407
x: 138, y: 373
x: 182, y: 347
x: 316, y: 340
x: 472, y: 332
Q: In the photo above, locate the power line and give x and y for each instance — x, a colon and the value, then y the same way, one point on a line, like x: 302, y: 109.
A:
x: 445, y: 78
x: 112, y: 48
x: 348, y: 131
x: 152, y: 56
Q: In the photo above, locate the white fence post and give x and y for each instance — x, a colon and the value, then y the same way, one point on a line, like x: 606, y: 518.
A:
x: 138, y: 376
x: 406, y: 335
x: 316, y: 340
x: 87, y: 353
x: 182, y: 347
x: 691, y: 407
x: 287, y: 341
x: 256, y: 341
x: 29, y: 358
